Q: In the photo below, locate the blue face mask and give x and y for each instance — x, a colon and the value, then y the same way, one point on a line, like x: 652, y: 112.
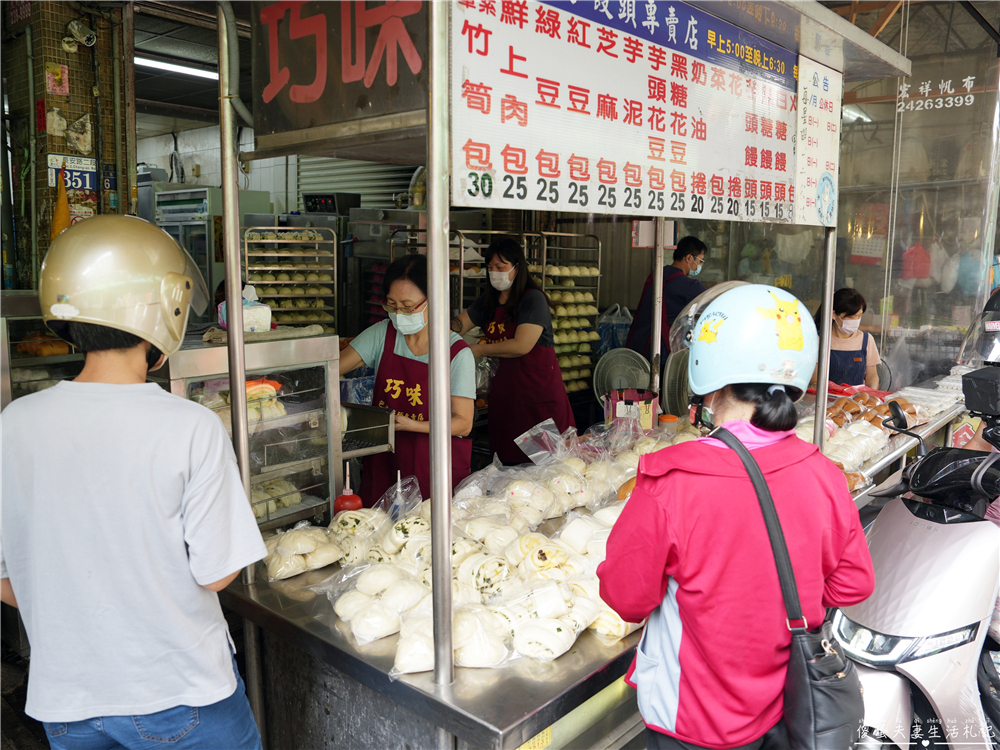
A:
x: 697, y: 270
x: 408, y: 324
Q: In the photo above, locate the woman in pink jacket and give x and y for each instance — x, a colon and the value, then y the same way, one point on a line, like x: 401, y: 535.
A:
x: 691, y: 553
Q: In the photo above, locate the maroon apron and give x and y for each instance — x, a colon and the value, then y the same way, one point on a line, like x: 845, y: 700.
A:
x: 525, y: 391
x: 401, y: 384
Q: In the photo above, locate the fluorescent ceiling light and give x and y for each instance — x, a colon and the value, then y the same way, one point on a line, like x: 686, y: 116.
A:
x: 855, y: 114
x: 160, y: 65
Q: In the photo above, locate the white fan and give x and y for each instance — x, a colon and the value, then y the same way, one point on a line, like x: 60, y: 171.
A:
x: 620, y: 369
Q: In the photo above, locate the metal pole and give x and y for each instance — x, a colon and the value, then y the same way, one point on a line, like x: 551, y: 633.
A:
x: 654, y: 352
x: 439, y: 358
x: 825, y: 317
x: 129, y: 193
x: 237, y: 360
x: 33, y: 219
x: 116, y: 57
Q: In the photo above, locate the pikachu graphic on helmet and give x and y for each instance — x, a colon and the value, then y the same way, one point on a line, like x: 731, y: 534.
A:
x: 788, y: 322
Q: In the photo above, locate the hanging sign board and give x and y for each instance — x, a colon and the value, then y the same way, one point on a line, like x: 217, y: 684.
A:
x: 820, y: 94
x: 654, y: 108
x: 347, y: 75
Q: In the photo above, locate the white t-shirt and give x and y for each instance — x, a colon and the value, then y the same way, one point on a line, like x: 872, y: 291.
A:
x: 119, y: 502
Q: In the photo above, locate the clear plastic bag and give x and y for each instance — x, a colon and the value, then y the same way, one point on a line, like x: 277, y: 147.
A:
x: 578, y: 530
x: 527, y: 498
x: 304, y: 547
x: 541, y: 442
x: 623, y: 434
x: 358, y: 386
x: 552, y: 560
x: 613, y: 326
x: 371, y: 598
x: 536, y: 617
x: 486, y: 369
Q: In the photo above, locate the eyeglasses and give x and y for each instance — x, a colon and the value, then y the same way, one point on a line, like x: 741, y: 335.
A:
x: 700, y: 259
x: 405, y: 310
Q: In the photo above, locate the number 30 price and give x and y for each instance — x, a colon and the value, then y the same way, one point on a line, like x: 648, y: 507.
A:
x: 480, y: 183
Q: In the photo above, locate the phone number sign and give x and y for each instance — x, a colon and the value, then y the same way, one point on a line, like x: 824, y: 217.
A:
x: 627, y: 108
x: 81, y: 172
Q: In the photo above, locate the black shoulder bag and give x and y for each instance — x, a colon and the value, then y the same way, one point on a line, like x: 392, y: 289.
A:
x: 823, y: 704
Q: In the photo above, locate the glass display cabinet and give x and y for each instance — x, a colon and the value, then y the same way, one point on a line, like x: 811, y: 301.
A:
x: 299, y: 434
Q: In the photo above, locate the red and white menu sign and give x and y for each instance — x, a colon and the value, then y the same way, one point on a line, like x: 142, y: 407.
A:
x: 631, y: 108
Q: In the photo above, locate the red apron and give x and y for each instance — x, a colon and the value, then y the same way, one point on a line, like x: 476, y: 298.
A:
x: 401, y: 384
x: 525, y: 391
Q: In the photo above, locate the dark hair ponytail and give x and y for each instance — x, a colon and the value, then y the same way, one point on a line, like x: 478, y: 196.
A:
x: 774, y: 410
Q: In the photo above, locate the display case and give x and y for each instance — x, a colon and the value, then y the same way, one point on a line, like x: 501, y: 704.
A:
x: 32, y: 358
x: 297, y: 428
x: 295, y: 273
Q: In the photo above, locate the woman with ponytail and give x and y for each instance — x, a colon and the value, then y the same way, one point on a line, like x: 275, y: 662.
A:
x: 691, y: 553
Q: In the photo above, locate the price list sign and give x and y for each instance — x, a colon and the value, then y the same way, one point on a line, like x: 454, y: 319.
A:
x: 630, y: 108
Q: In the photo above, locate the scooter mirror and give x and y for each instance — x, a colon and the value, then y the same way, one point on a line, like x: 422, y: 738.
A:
x: 898, y: 420
x: 897, y: 423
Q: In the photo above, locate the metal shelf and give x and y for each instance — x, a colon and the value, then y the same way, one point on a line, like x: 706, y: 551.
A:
x: 289, y: 420
x: 55, y: 359
x: 315, y: 464
x: 324, y: 237
x: 310, y: 507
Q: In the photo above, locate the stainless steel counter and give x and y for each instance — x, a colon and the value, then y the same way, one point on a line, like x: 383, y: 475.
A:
x: 899, y: 446
x: 486, y: 708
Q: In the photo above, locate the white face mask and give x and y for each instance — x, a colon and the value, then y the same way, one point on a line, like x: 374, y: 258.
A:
x: 849, y: 326
x: 408, y: 324
x: 501, y: 280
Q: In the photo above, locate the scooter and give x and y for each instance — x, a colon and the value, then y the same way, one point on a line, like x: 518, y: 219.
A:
x: 918, y: 640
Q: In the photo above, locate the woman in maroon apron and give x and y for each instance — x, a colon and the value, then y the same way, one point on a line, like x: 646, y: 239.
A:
x: 514, y: 315
x: 397, y: 349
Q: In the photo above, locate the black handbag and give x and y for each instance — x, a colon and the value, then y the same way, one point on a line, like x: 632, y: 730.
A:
x: 824, y: 709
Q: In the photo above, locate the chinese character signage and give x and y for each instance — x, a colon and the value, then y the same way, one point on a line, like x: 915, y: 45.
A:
x: 818, y: 140
x: 321, y: 63
x: 625, y: 107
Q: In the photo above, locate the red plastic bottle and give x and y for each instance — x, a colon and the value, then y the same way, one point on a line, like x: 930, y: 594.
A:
x: 348, y: 500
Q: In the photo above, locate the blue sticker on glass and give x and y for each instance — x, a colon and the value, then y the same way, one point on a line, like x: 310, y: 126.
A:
x: 826, y: 199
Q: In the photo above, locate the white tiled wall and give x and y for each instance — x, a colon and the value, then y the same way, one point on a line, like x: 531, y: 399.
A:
x: 200, y: 147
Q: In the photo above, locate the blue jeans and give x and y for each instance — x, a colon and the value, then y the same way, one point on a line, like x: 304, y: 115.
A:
x: 227, y: 724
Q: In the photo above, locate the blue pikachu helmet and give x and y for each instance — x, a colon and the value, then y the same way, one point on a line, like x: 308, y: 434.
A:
x: 753, y: 334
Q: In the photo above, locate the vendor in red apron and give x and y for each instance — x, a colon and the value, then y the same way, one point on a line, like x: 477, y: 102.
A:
x: 397, y: 348
x: 679, y: 288
x: 515, y: 318
x: 853, y: 353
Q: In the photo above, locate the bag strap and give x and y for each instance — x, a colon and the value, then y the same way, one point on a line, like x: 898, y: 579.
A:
x: 786, y: 575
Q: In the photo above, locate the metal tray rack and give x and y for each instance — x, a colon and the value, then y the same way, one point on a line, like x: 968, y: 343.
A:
x: 264, y: 248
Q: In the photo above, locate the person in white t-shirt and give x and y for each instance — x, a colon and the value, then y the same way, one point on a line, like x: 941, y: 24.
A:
x: 124, y: 512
